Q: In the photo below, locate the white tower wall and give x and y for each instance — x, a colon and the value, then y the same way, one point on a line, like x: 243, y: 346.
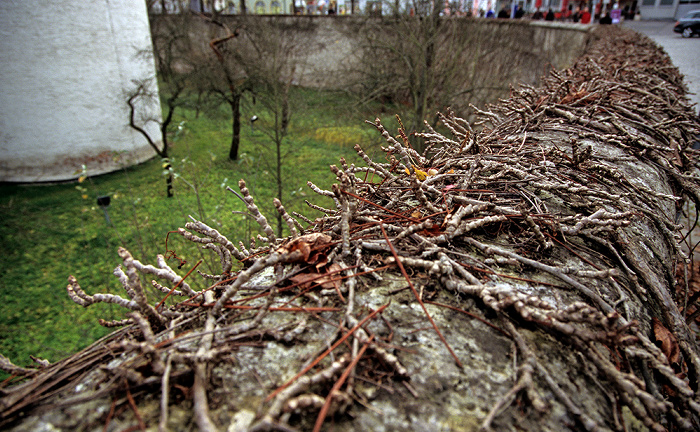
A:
x: 67, y: 68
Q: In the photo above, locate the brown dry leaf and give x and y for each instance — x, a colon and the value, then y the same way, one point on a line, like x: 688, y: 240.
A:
x: 433, y: 231
x: 319, y: 243
x: 304, y: 280
x: 315, y: 239
x: 309, y: 245
x: 676, y: 153
x: 302, y: 247
x: 319, y: 260
x: 326, y: 281
x: 331, y: 280
x: 693, y: 289
x: 573, y: 96
x: 669, y: 344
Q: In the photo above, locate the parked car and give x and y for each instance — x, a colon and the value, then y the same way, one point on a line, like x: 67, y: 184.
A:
x: 689, y: 24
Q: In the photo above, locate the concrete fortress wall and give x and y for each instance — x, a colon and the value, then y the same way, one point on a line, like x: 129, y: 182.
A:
x: 523, y: 50
x: 67, y: 70
x: 494, y: 53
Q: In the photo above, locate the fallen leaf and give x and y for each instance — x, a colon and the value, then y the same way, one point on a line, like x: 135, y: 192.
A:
x: 676, y: 153
x: 310, y: 246
x: 304, y: 280
x: 668, y: 342
x: 331, y: 280
x: 420, y: 175
x: 688, y: 299
x: 325, y: 280
x: 573, y: 96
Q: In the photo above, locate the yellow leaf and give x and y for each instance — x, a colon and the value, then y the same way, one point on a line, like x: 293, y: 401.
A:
x: 421, y: 175
x: 84, y: 196
x: 82, y: 178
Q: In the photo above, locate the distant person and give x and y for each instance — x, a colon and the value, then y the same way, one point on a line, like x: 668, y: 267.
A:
x: 606, y: 19
x: 519, y: 12
x: 576, y: 16
x: 585, y: 16
x: 550, y: 15
x: 537, y: 15
x: 491, y: 13
x: 566, y: 15
x: 503, y: 13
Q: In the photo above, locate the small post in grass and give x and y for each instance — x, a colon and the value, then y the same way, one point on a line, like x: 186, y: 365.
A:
x: 103, y: 201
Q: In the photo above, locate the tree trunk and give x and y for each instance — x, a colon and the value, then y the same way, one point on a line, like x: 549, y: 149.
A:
x: 281, y: 123
x: 525, y: 281
x: 278, y: 174
x: 162, y: 153
x: 285, y: 111
x: 168, y: 181
x: 424, y: 84
x: 235, y: 103
x: 166, y: 145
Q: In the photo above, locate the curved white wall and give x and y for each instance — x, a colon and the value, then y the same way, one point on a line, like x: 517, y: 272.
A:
x: 67, y: 68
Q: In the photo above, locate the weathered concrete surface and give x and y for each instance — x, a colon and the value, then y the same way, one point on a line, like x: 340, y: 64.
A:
x: 335, y: 46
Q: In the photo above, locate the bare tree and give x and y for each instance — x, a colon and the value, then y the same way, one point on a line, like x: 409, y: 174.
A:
x: 175, y: 66
x: 267, y: 56
x: 258, y: 56
x: 417, y: 58
x: 143, y: 94
x: 401, y: 59
x: 226, y: 80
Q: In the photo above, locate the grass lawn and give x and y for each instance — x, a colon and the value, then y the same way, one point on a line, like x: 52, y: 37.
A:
x: 48, y: 232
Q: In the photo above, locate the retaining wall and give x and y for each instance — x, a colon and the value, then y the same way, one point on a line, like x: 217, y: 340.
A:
x: 500, y: 52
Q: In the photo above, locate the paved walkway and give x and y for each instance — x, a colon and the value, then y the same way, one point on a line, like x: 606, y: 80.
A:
x: 685, y: 53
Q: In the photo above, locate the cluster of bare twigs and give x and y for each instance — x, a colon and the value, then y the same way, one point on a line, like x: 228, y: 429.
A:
x: 546, y: 193
x: 550, y: 169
